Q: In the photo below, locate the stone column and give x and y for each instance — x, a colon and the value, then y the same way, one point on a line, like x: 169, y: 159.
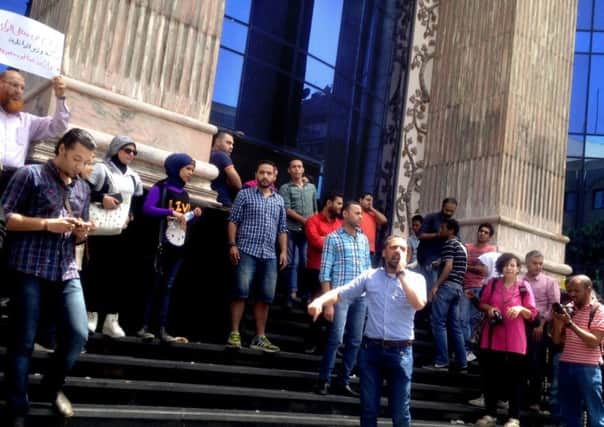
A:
x: 143, y: 68
x: 498, y: 120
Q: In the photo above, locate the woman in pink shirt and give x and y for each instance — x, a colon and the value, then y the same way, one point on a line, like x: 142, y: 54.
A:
x: 507, y: 302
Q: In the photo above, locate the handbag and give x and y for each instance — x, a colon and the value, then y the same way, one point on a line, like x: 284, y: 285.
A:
x: 109, y: 222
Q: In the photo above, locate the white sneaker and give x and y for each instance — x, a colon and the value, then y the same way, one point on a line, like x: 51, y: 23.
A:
x: 478, y: 402
x: 470, y: 357
x: 112, y: 328
x: 93, y: 321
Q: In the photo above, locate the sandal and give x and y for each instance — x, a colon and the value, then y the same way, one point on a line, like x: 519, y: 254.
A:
x: 486, y: 421
x: 512, y: 422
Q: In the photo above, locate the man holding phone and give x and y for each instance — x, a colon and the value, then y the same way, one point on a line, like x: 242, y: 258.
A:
x: 46, y: 207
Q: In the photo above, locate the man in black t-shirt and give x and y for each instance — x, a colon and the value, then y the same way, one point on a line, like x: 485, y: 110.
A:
x: 228, y: 182
x: 446, y: 295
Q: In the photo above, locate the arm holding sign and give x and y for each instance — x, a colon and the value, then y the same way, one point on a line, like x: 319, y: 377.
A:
x: 52, y: 126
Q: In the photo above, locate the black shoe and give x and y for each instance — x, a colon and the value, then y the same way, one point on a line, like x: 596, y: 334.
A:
x: 345, y: 390
x: 164, y: 336
x: 310, y: 349
x: 17, y: 422
x: 322, y: 388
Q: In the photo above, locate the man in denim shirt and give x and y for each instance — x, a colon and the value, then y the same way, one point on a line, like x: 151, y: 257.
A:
x: 345, y: 256
x: 393, y: 295
x: 300, y: 198
x: 47, y: 211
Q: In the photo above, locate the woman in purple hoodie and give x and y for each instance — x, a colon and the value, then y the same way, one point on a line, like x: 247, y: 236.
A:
x: 169, y: 201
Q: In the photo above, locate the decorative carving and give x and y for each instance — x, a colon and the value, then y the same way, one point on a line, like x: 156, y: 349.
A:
x: 415, y: 127
x: 387, y: 175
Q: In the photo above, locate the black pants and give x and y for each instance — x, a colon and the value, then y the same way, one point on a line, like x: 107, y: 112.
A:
x: 538, y: 366
x: 106, y: 272
x: 503, y: 378
x: 316, y: 332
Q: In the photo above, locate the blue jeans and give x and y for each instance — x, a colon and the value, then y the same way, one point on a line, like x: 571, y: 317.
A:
x: 162, y: 291
x: 580, y: 386
x: 394, y: 364
x: 258, y: 271
x: 470, y: 318
x: 296, y: 255
x: 352, y: 318
x: 29, y: 293
x: 430, y: 274
x: 445, y: 311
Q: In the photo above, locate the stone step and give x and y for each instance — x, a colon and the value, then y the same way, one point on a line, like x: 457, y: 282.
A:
x: 144, y: 416
x: 134, y: 368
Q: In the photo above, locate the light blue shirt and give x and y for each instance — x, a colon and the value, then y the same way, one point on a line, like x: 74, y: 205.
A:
x: 344, y: 257
x: 389, y: 314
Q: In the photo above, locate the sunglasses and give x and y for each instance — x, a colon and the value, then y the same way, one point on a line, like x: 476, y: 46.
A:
x: 130, y: 151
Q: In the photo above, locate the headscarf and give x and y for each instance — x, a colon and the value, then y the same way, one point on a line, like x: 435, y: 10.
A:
x: 173, y: 164
x: 117, y: 143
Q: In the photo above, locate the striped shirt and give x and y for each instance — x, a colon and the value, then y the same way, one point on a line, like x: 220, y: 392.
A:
x: 344, y: 257
x: 259, y: 220
x: 454, y: 250
x: 37, y: 191
x: 575, y: 350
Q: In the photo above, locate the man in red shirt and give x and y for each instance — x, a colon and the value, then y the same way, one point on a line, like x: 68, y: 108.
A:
x: 579, y: 373
x: 472, y: 284
x: 371, y: 220
x: 317, y: 227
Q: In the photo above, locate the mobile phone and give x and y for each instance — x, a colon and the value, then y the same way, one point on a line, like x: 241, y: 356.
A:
x: 557, y: 307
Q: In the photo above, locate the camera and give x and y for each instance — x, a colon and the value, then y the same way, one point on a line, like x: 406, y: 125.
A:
x: 561, y: 309
x: 497, y: 318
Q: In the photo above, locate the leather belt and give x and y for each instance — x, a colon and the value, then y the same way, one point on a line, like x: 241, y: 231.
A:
x: 389, y: 343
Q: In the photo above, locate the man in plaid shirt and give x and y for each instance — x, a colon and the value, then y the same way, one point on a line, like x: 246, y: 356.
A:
x: 256, y: 222
x: 345, y: 256
x: 46, y: 207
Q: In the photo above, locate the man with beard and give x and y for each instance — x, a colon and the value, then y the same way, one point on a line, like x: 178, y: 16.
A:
x: 431, y: 241
x: 256, y: 222
x: 393, y: 295
x: 228, y: 181
x: 18, y: 129
x: 580, y: 328
x: 345, y: 256
x: 317, y: 227
x: 47, y: 212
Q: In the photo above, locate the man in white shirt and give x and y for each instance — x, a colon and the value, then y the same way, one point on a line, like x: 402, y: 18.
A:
x: 18, y: 129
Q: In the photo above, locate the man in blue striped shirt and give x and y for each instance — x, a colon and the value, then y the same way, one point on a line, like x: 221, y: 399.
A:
x: 256, y: 222
x: 393, y: 295
x: 345, y: 255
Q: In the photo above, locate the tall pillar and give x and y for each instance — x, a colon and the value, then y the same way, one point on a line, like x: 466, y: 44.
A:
x: 143, y: 68
x: 498, y: 121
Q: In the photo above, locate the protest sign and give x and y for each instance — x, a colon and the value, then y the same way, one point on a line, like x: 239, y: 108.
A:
x: 28, y: 45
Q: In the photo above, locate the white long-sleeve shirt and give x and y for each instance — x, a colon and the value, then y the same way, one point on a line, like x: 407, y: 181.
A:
x: 18, y: 130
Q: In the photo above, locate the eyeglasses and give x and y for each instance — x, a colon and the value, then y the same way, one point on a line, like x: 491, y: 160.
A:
x: 130, y: 151
x: 14, y: 85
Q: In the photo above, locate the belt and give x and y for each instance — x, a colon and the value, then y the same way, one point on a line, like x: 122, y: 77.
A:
x: 389, y: 343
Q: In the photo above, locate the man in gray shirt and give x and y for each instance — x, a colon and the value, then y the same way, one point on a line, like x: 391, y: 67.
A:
x: 300, y: 197
x: 393, y: 295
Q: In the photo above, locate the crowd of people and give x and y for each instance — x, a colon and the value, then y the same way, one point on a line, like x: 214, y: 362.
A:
x: 68, y: 216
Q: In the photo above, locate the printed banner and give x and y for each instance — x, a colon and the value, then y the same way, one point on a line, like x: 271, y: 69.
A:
x: 30, y: 46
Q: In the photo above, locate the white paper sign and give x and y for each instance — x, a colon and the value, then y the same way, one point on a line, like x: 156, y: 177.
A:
x: 30, y: 46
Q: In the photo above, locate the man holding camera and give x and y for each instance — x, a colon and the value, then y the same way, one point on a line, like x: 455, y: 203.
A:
x: 579, y: 326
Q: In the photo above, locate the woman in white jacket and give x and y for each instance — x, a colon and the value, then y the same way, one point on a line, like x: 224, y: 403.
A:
x: 113, y: 184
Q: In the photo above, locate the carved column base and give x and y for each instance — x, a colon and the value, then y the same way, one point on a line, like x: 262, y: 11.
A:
x: 520, y: 238
x: 157, y: 132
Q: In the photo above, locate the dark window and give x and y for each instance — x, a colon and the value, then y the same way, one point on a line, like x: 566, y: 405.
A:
x: 579, y: 94
x: 584, y: 14
x: 598, y: 199
x: 234, y: 35
x: 570, y: 201
x: 228, y: 78
x: 325, y: 30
